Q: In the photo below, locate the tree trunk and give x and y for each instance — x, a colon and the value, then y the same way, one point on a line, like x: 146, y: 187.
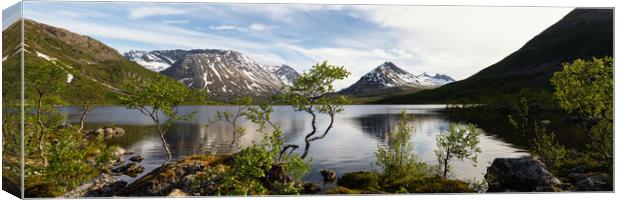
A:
x: 163, y: 140
x: 309, y: 135
x: 42, y: 127
x: 82, y: 118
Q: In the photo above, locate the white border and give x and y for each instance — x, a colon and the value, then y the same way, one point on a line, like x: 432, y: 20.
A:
x: 562, y: 3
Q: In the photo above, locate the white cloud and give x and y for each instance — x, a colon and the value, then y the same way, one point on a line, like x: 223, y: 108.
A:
x: 460, y: 40
x: 259, y: 27
x: 148, y: 11
x: 224, y: 27
x: 175, y: 21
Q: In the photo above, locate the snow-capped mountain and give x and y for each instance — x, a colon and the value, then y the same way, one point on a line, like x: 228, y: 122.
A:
x: 285, y: 73
x: 388, y: 77
x: 155, y: 60
x: 225, y: 73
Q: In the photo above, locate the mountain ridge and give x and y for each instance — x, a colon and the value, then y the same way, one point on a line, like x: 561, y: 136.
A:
x: 389, y: 78
x: 581, y: 34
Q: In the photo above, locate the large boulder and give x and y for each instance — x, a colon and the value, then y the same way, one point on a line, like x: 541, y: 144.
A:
x: 328, y: 175
x: 175, y: 175
x: 520, y: 175
x: 104, y: 185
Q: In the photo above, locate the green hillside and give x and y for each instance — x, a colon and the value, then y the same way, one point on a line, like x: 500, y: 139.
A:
x: 79, y: 56
x: 583, y: 33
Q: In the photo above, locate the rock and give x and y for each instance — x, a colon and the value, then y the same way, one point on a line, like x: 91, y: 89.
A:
x: 130, y: 169
x: 118, y: 162
x: 163, y: 180
x: 521, y: 175
x: 118, y: 152
x: 136, y: 158
x: 112, y: 132
x: 104, y: 185
x: 276, y: 175
x: 178, y: 193
x: 362, y: 180
x: 591, y: 181
x: 311, y: 188
x: 328, y: 175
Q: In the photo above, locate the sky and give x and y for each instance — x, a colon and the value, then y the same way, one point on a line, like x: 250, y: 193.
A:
x: 454, y: 40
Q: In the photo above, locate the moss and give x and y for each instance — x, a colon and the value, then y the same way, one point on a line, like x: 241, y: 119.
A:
x: 362, y: 180
x: 428, y: 185
x: 342, y: 190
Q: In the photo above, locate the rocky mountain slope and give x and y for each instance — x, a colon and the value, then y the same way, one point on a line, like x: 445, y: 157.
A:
x: 388, y: 78
x: 581, y: 34
x: 225, y: 73
x: 156, y: 61
x: 285, y: 73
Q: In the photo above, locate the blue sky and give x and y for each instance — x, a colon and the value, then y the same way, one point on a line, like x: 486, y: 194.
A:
x: 457, y: 41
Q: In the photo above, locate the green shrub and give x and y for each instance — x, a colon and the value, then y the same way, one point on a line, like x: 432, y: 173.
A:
x: 546, y: 148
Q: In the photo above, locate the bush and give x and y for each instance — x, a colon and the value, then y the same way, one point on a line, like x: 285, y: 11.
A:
x: 546, y: 148
x: 362, y: 180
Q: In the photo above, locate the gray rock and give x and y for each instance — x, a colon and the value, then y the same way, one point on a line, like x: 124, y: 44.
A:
x: 521, y: 175
x: 136, y: 158
x: 311, y: 188
x: 104, y: 185
x: 175, y: 175
x: 591, y: 181
x: 130, y: 169
x: 328, y: 175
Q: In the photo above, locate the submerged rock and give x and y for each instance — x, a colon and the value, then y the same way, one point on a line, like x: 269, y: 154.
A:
x: 328, y: 175
x: 104, y: 185
x: 520, y: 175
x: 136, y: 158
x: 107, y: 132
x: 130, y: 169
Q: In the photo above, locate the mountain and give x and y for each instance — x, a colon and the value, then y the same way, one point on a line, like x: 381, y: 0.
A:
x: 156, y: 61
x: 78, y: 55
x: 388, y: 78
x: 225, y: 73
x: 285, y: 73
x: 581, y: 34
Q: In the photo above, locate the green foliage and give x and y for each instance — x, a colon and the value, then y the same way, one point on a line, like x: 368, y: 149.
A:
x: 398, y: 157
x: 157, y: 98
x: 585, y: 89
x: 258, y: 169
x: 520, y: 122
x: 546, y: 148
x: 459, y: 143
x: 362, y: 180
x: 74, y: 159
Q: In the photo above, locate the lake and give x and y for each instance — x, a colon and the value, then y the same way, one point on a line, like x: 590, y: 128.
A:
x: 349, y: 146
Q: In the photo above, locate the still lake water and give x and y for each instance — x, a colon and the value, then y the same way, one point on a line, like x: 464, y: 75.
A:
x: 349, y: 146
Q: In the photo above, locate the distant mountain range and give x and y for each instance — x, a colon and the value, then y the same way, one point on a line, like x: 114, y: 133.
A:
x: 581, y: 34
x: 228, y: 74
x: 388, y: 78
